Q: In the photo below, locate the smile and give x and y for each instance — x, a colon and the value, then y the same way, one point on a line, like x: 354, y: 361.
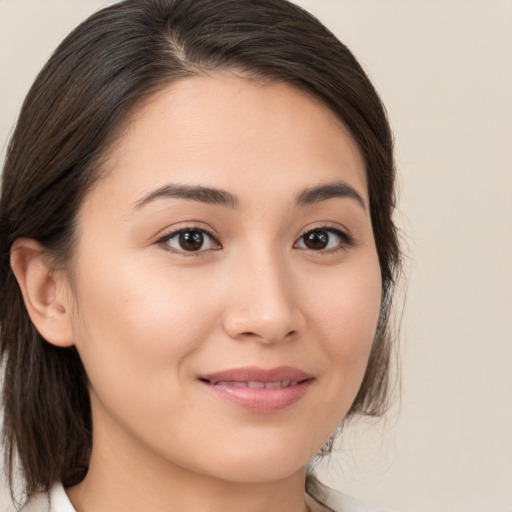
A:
x: 259, y: 390
x: 257, y: 384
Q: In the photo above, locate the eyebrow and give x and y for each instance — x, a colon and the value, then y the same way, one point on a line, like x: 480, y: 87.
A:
x: 329, y: 191
x: 220, y: 197
x: 192, y: 192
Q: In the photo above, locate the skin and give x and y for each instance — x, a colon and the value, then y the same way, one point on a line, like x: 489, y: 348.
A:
x: 148, y: 318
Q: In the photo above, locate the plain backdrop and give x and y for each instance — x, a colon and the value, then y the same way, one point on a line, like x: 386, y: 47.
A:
x: 444, y: 71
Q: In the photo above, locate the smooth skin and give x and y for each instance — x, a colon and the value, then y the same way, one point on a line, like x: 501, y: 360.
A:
x: 163, y: 289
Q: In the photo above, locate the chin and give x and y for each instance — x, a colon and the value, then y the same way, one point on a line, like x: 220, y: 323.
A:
x: 259, y: 463
x: 262, y: 472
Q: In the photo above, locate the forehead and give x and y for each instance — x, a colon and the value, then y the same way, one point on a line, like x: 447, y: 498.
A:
x: 231, y: 132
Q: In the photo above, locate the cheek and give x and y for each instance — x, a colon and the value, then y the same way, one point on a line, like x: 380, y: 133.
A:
x: 349, y: 302
x: 136, y: 331
x: 346, y: 314
x: 136, y: 324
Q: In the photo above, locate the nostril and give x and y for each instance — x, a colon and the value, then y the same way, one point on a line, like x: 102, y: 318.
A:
x: 268, y: 338
x: 264, y: 322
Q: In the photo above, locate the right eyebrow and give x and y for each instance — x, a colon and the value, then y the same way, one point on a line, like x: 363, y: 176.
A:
x: 202, y: 194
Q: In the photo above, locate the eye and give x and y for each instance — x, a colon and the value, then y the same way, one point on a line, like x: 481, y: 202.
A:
x: 190, y: 240
x: 324, y: 239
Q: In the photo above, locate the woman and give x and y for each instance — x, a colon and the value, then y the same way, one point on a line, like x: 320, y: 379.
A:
x: 197, y: 260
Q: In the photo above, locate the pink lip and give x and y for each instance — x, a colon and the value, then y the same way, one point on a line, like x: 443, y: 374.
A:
x: 258, y: 389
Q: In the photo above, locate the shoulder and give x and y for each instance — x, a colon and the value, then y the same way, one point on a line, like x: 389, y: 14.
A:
x: 335, y: 501
x: 54, y: 501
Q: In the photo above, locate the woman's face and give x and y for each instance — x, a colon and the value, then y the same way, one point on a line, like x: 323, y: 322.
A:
x: 226, y: 281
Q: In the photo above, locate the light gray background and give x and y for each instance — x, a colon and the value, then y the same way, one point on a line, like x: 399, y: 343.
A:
x: 444, y: 70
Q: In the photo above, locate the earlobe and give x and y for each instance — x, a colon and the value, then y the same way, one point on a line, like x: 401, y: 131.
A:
x: 44, y: 292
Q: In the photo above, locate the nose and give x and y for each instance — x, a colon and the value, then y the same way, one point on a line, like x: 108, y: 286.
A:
x: 263, y: 305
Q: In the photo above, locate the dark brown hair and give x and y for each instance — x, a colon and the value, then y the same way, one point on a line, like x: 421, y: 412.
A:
x: 68, y: 122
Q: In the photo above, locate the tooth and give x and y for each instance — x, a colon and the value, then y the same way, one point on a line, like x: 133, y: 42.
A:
x: 239, y: 384
x: 253, y: 384
x: 293, y: 383
x: 273, y: 385
x: 285, y: 383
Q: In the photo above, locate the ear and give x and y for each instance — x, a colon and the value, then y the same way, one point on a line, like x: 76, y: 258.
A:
x: 45, y: 292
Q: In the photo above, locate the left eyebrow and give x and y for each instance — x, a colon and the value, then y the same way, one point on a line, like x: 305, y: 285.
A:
x: 328, y: 191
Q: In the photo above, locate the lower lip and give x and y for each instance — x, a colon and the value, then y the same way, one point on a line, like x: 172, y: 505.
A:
x: 261, y: 399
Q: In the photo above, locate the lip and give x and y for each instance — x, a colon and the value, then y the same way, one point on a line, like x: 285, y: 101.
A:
x: 258, y: 389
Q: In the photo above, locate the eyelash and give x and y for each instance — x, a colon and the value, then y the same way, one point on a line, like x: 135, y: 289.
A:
x: 346, y: 240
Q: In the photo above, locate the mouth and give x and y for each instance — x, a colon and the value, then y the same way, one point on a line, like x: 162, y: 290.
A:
x: 259, y: 390
x: 254, y: 384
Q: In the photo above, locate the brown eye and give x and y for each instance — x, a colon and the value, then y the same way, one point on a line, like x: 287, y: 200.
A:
x: 190, y: 240
x: 322, y: 239
x: 316, y: 240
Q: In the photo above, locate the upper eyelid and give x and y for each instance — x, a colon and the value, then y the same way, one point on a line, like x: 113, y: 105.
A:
x: 170, y: 232
x: 336, y: 228
x: 197, y: 227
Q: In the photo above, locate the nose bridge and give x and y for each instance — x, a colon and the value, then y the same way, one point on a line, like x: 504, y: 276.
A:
x: 263, y: 304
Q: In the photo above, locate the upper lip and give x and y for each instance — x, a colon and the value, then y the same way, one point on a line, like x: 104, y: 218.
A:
x: 256, y: 374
